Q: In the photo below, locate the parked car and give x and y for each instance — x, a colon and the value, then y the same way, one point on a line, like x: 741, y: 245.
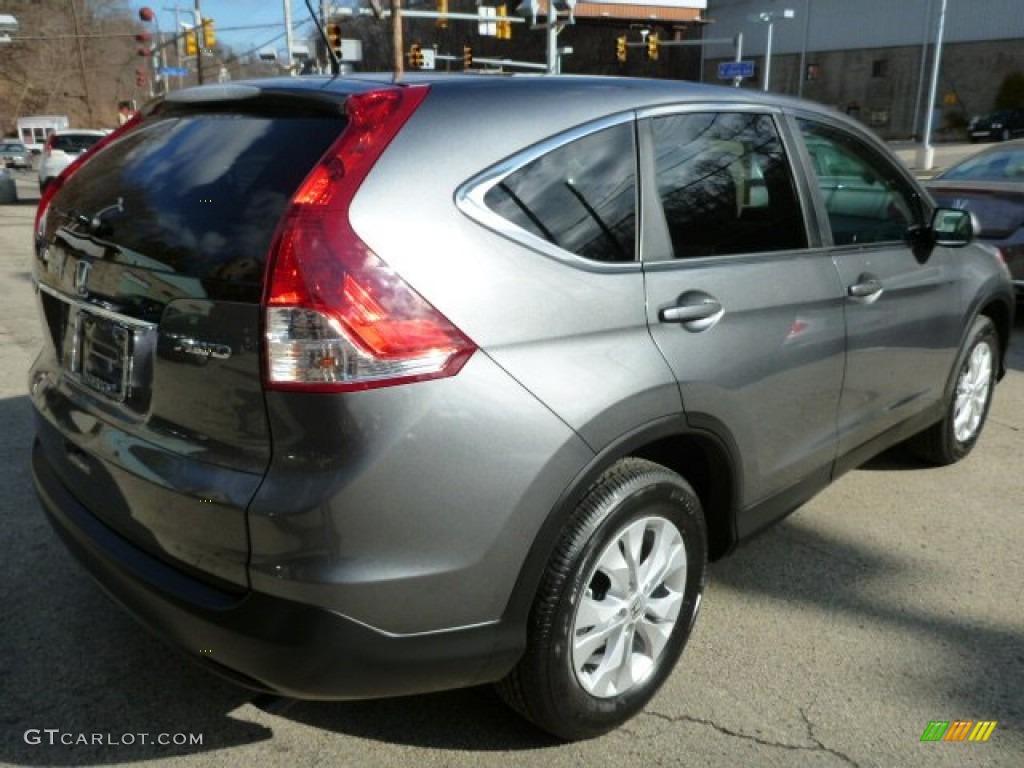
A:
x: 15, y: 155
x: 990, y: 184
x: 61, y: 149
x: 1001, y: 125
x: 346, y: 408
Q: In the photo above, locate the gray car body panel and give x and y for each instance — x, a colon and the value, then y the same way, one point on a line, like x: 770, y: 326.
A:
x: 409, y: 509
x: 432, y: 507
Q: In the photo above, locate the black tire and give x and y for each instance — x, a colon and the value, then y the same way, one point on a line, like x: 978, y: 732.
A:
x: 651, y: 505
x: 969, y: 400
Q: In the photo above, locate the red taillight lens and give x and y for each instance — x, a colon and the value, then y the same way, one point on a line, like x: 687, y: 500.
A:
x: 337, y: 317
x: 67, y: 173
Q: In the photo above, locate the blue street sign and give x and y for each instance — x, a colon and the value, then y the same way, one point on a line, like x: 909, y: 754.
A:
x: 731, y: 69
x: 173, y: 71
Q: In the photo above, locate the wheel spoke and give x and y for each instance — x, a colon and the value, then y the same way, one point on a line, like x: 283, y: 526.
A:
x: 605, y: 679
x: 613, y: 565
x: 655, y: 634
x: 652, y: 570
x: 664, y: 608
x: 585, y: 649
x: 666, y: 563
x: 631, y: 544
x: 599, y: 613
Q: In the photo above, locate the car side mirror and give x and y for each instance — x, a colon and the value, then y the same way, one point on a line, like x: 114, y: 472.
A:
x: 952, y: 227
x: 949, y: 227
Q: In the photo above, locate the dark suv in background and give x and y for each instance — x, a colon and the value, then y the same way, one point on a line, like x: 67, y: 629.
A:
x: 1001, y: 125
x: 371, y: 388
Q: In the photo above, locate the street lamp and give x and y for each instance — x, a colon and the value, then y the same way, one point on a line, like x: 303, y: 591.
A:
x: 769, y: 17
x: 926, y: 152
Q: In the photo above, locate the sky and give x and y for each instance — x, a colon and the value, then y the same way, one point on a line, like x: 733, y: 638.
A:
x: 242, y: 24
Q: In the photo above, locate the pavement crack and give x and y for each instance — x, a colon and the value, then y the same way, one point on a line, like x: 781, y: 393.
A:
x: 815, y: 746
x: 1001, y: 423
x: 810, y: 735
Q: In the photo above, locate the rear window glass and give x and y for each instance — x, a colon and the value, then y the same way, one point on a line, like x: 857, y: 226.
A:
x: 580, y: 196
x: 73, y: 142
x: 200, y: 195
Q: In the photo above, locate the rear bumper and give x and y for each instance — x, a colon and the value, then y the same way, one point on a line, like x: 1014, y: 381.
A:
x: 266, y: 642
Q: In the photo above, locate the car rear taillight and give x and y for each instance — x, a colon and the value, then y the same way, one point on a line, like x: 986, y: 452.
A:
x: 53, y: 186
x: 337, y: 318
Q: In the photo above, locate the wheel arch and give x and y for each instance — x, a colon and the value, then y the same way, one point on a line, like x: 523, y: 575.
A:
x: 1001, y: 315
x: 700, y: 457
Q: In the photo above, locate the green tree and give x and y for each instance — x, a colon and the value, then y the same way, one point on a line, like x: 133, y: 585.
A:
x: 1011, y: 92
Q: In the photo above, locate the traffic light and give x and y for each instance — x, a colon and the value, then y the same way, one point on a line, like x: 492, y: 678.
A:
x: 209, y: 35
x: 415, y: 56
x: 191, y: 46
x: 334, y: 36
x: 442, y: 8
x: 504, y: 30
x: 467, y: 56
x: 652, y: 47
x: 620, y: 49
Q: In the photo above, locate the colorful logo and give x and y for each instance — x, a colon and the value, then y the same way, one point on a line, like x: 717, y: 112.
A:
x: 958, y: 730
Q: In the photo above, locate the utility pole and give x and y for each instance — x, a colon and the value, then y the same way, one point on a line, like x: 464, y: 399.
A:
x: 396, y: 39
x: 926, y: 153
x: 289, y: 43
x: 81, y: 61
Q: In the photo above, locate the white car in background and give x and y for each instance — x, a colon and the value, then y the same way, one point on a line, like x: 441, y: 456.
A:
x: 62, y: 148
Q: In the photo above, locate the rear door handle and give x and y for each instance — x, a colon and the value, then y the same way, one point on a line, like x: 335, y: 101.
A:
x: 696, y: 311
x: 689, y: 312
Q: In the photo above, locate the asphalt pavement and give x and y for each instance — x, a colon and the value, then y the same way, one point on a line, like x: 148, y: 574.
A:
x: 890, y: 601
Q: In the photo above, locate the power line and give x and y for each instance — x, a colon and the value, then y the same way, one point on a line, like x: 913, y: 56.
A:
x: 241, y: 28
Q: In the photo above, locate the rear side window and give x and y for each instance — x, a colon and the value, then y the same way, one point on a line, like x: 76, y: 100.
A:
x: 580, y: 196
x: 725, y: 185
x: 199, y: 195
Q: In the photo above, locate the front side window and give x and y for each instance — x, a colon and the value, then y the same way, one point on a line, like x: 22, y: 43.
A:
x: 725, y: 185
x: 580, y: 196
x: 866, y: 197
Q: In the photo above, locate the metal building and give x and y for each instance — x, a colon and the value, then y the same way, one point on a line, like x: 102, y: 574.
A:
x: 873, y: 58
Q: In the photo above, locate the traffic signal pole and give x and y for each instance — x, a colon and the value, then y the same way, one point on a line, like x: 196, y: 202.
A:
x: 197, y: 31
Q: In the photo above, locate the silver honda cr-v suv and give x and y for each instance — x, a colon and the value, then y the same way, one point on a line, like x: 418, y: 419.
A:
x: 353, y: 388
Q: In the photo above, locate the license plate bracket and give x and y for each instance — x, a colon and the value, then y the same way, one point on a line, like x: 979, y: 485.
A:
x: 103, y: 355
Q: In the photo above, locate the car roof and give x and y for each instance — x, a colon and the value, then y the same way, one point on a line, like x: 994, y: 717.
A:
x: 564, y: 100
x: 79, y: 132
x: 639, y: 91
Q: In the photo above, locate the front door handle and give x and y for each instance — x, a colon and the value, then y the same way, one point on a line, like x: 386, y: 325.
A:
x: 867, y: 288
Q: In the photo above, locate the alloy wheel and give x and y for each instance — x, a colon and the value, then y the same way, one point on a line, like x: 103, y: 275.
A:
x: 631, y: 605
x: 973, y: 390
